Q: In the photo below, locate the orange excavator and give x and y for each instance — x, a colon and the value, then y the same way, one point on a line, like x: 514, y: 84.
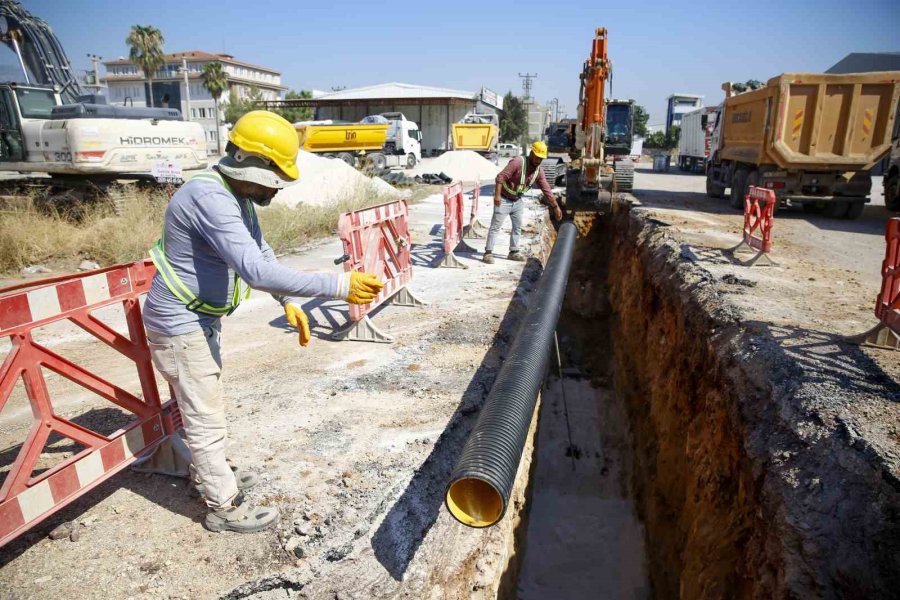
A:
x: 603, y: 137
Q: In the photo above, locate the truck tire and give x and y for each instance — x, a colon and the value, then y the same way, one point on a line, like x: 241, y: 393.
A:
x: 410, y: 160
x: 376, y: 162
x: 347, y: 158
x: 835, y: 210
x: 713, y: 190
x: 855, y: 209
x: 739, y: 188
x: 892, y: 192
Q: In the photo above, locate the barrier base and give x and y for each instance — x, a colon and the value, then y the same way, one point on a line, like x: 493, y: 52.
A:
x: 762, y: 259
x: 476, y: 230
x: 170, y: 457
x: 880, y: 336
x: 365, y: 330
x: 450, y: 261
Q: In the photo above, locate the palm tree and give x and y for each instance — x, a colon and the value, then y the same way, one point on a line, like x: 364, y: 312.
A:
x: 215, y: 80
x: 146, y: 52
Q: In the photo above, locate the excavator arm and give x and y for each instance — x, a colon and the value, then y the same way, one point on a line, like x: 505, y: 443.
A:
x: 38, y: 50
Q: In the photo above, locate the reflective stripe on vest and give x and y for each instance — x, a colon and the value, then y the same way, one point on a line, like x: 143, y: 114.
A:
x: 523, y: 187
x: 177, y: 286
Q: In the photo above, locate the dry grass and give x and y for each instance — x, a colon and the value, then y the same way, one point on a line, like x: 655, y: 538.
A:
x: 32, y: 233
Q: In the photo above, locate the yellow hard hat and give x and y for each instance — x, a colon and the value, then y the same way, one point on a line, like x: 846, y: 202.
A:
x: 269, y: 135
x: 539, y: 149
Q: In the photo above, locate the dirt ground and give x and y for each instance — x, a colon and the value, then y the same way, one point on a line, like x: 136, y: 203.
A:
x: 353, y: 441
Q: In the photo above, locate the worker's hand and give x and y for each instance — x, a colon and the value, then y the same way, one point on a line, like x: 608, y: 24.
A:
x: 359, y: 288
x: 497, y: 201
x: 557, y: 212
x: 297, y: 318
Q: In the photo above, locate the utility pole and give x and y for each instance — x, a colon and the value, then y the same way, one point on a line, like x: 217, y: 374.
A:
x: 526, y: 84
x: 555, y: 103
x: 187, y: 90
x: 95, y: 60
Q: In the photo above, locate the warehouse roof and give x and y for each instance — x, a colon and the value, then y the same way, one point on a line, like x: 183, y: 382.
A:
x: 395, y: 91
x: 867, y: 62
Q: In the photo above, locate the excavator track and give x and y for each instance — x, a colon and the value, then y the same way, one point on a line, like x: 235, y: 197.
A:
x: 624, y: 175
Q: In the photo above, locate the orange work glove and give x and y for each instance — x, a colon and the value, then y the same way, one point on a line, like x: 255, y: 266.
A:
x: 359, y: 288
x: 297, y: 318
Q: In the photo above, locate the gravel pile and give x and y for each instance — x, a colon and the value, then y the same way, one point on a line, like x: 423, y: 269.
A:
x: 461, y: 165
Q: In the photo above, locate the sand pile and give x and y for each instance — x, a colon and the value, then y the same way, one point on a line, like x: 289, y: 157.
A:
x: 329, y: 180
x: 461, y: 165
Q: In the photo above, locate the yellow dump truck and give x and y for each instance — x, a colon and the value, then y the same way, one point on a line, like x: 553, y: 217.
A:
x: 812, y: 138
x: 479, y: 133
x: 382, y: 141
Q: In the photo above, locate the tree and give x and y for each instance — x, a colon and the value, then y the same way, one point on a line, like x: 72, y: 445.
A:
x: 673, y: 137
x: 641, y: 116
x: 146, y: 52
x: 215, y: 80
x: 295, y: 114
x: 657, y: 139
x: 513, y: 119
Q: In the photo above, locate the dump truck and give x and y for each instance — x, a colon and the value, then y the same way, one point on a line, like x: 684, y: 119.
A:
x: 477, y: 132
x: 694, y: 140
x: 378, y: 141
x: 811, y: 138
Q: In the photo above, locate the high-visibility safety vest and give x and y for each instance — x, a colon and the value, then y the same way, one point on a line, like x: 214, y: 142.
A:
x: 177, y: 286
x: 523, y: 186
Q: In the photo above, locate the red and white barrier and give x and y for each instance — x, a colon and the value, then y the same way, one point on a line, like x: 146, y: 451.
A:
x: 475, y: 230
x: 27, y: 498
x: 453, y: 226
x: 376, y: 240
x: 759, y: 217
x: 887, y: 305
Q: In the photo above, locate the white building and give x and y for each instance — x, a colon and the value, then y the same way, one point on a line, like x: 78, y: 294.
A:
x: 538, y: 120
x: 679, y: 104
x: 127, y: 85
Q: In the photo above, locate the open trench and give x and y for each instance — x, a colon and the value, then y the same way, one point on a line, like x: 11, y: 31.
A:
x: 672, y: 458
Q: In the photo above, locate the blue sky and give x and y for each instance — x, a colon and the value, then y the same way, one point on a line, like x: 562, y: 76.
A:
x: 656, y: 47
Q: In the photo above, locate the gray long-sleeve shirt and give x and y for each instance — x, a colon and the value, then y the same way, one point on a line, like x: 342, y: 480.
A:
x: 210, y: 235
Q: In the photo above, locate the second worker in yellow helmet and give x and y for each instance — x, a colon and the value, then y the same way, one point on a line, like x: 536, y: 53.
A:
x: 519, y: 175
x: 210, y: 254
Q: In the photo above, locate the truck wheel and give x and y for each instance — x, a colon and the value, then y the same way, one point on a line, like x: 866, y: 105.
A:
x: 835, y: 210
x: 377, y: 162
x: 739, y: 189
x: 347, y: 158
x: 892, y: 192
x: 855, y: 209
x: 712, y: 189
x: 410, y: 160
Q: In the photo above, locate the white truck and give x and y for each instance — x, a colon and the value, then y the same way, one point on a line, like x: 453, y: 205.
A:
x: 402, y: 146
x: 694, y: 141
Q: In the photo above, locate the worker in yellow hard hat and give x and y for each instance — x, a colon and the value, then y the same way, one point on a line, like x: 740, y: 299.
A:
x: 519, y: 175
x: 211, y: 253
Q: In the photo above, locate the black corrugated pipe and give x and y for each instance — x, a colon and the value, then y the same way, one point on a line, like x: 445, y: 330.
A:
x: 482, y: 481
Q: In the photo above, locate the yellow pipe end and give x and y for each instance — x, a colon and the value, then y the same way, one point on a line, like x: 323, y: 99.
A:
x: 474, y: 502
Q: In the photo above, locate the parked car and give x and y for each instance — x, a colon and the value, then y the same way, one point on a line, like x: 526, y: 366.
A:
x: 508, y: 149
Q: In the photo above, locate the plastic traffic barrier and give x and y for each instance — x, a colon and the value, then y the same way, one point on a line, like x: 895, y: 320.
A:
x: 28, y: 495
x: 475, y: 230
x: 376, y: 240
x: 887, y: 305
x: 759, y: 216
x: 453, y: 227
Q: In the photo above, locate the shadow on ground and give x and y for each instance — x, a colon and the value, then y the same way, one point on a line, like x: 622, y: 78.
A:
x: 411, y: 517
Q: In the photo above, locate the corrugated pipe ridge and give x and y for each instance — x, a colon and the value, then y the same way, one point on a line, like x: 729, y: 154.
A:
x: 482, y: 481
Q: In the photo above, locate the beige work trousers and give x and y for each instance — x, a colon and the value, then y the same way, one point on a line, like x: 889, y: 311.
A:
x: 192, y: 364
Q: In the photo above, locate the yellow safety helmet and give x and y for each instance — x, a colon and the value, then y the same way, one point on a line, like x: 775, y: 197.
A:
x: 539, y: 149
x: 269, y: 135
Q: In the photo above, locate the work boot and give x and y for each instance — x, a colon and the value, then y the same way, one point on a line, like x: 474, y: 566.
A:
x: 516, y: 256
x: 488, y: 258
x: 242, y: 517
x: 245, y: 480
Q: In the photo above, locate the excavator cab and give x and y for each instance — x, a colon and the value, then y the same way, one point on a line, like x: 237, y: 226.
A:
x: 12, y: 145
x: 619, y: 127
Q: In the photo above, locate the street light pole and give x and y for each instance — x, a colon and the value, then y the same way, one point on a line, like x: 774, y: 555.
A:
x: 95, y: 60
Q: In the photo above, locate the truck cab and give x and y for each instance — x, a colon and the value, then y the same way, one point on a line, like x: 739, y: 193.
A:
x: 403, y: 139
